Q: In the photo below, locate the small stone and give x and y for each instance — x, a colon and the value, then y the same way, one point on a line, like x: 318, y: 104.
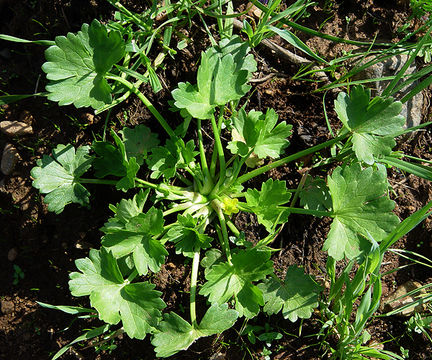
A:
x: 15, y: 128
x: 412, y: 109
x: 12, y: 254
x: 390, y: 303
x: 89, y: 117
x: 254, y: 11
x: 7, y: 307
x: 9, y: 159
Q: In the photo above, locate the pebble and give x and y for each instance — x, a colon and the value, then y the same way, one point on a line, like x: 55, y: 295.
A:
x: 391, y: 304
x: 15, y: 128
x: 7, y: 307
x: 9, y: 159
x: 12, y: 254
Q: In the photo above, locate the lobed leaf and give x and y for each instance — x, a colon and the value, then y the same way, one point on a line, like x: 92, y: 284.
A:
x: 222, y: 77
x: 165, y: 160
x: 58, y: 176
x: 361, y: 209
x: 136, y: 305
x: 372, y: 122
x: 177, y: 334
x: 259, y: 133
x: 77, y: 64
x: 226, y: 280
x: 265, y: 203
x: 296, y: 296
x: 186, y: 236
x: 137, y: 237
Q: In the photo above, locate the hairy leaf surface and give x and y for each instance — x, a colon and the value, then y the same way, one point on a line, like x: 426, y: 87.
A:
x: 297, y: 295
x: 58, y: 176
x: 361, y: 209
x: 137, y: 305
x: 76, y: 66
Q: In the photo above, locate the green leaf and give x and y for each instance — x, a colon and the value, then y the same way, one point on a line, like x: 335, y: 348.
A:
x: 129, y: 208
x: 136, y: 237
x: 297, y: 295
x: 138, y: 142
x: 361, y: 209
x: 186, y: 236
x: 259, y: 133
x: 137, y: 305
x: 114, y: 160
x: 222, y: 77
x: 372, y: 122
x: 264, y: 203
x: 315, y: 195
x: 177, y: 334
x: 77, y: 64
x: 165, y: 160
x: 225, y: 280
x: 58, y: 176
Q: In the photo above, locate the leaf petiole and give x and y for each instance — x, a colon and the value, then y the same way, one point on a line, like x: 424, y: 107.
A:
x: 287, y: 159
x: 145, y: 101
x: 194, y: 280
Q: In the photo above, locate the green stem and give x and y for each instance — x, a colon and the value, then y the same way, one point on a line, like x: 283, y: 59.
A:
x: 98, y: 181
x: 162, y: 187
x: 202, y: 151
x: 285, y: 160
x: 244, y: 207
x: 145, y: 101
x: 177, y: 208
x: 221, y: 156
x: 194, y: 278
x: 233, y: 228
x: 225, y: 240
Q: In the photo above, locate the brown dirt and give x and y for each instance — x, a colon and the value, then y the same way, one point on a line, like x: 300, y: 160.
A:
x: 45, y: 246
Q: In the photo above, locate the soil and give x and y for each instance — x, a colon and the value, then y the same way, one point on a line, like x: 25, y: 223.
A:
x: 44, y: 246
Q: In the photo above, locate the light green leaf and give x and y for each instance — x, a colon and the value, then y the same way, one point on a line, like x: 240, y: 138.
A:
x: 165, y: 160
x: 372, y: 122
x: 297, y: 295
x: 138, y: 142
x: 137, y: 305
x: 77, y: 64
x: 177, y: 334
x: 128, y: 208
x: 186, y: 236
x: 136, y: 237
x: 259, y: 133
x: 222, y: 77
x: 265, y: 203
x: 225, y: 280
x: 361, y: 209
x: 58, y: 176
